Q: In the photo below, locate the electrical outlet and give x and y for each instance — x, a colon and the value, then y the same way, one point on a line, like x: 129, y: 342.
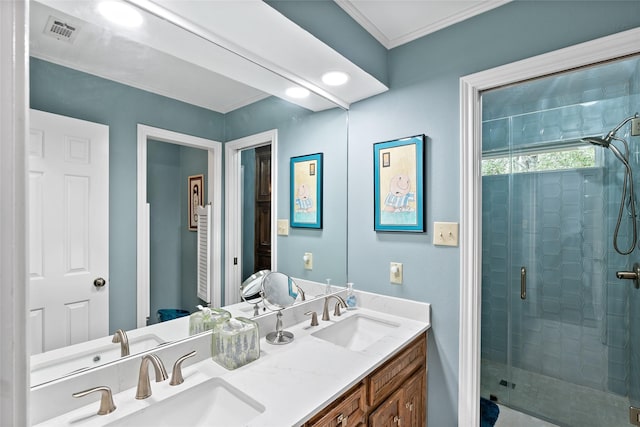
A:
x: 308, y: 261
x: 395, y: 273
x: 635, y: 126
x: 445, y: 233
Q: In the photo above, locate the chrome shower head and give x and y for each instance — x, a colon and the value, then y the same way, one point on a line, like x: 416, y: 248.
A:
x: 602, y: 142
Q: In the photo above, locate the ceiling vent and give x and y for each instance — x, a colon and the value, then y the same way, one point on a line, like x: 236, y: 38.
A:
x: 60, y: 30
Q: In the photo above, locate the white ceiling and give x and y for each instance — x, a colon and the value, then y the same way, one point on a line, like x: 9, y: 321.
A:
x: 396, y: 22
x: 164, y: 59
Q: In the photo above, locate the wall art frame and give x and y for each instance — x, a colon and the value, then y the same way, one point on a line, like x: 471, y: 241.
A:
x: 399, y: 181
x: 306, y: 191
x: 195, y: 199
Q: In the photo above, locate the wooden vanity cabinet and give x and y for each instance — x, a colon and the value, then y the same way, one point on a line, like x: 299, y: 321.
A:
x: 405, y: 407
x: 394, y: 395
x: 349, y: 410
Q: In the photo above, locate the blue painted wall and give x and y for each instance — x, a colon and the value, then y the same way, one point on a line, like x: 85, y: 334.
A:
x: 60, y: 90
x: 424, y: 98
x: 163, y: 195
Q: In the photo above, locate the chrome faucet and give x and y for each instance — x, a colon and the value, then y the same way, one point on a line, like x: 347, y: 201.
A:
x: 106, y: 399
x: 301, y: 291
x: 176, y: 374
x: 336, y: 310
x: 144, y: 386
x: 120, y: 336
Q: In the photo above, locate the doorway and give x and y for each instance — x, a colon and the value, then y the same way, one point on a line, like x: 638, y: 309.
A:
x: 240, y: 241
x: 601, y: 50
x: 556, y: 338
x: 146, y: 134
x: 256, y: 210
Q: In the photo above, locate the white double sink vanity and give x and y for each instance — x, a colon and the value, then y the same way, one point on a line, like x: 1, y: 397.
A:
x: 336, y: 366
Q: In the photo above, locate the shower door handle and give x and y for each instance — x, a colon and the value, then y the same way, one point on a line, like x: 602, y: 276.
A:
x: 523, y: 283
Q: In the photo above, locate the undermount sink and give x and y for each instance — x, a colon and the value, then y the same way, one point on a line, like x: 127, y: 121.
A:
x: 213, y: 402
x: 66, y: 364
x: 357, y: 332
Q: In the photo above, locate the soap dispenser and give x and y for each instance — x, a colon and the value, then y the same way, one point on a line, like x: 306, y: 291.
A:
x: 351, y: 297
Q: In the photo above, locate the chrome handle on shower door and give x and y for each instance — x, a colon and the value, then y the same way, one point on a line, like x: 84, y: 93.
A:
x: 523, y: 283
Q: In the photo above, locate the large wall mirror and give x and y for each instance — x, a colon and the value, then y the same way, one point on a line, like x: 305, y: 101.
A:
x: 85, y: 69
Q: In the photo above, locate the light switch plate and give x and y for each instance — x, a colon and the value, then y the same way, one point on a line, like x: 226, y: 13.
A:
x: 395, y: 277
x: 283, y: 227
x: 308, y: 261
x: 445, y: 233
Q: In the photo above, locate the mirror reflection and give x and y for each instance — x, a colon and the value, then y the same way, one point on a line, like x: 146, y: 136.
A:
x: 251, y: 290
x: 107, y: 80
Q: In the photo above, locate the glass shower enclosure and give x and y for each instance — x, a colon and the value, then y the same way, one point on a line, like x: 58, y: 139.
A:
x: 560, y: 332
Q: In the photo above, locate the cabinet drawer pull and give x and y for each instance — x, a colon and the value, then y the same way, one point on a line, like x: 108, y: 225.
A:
x: 342, y: 420
x: 397, y: 420
x: 409, y: 406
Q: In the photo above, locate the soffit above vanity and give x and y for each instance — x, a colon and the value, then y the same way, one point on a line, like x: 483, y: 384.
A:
x: 253, y: 40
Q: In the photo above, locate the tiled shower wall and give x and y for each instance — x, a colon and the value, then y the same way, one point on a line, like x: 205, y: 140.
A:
x: 574, y: 323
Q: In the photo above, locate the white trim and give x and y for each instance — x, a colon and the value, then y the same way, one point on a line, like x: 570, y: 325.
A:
x: 14, y: 363
x: 592, y: 52
x: 233, y: 219
x: 214, y: 195
x: 362, y: 19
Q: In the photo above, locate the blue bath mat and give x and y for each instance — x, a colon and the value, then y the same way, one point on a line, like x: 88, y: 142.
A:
x: 488, y: 413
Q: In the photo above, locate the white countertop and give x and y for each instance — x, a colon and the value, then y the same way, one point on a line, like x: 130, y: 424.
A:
x: 291, y: 382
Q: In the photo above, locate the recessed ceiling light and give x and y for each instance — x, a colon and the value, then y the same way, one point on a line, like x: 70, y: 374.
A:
x: 335, y: 78
x: 297, y: 92
x: 120, y: 13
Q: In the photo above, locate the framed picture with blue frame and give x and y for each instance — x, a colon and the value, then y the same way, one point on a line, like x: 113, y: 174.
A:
x: 306, y: 191
x: 398, y: 170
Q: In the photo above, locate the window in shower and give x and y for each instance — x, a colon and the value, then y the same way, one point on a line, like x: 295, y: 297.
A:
x: 538, y: 161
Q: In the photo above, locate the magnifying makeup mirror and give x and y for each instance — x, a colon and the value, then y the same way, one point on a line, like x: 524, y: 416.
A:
x: 279, y: 291
x: 251, y: 290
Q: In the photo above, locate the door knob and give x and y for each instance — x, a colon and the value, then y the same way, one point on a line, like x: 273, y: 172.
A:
x: 99, y: 282
x: 634, y: 275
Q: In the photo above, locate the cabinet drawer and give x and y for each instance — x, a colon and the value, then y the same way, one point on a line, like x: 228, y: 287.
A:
x: 347, y: 411
x: 393, y: 373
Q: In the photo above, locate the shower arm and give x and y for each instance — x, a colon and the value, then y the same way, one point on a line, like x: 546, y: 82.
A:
x: 611, y: 134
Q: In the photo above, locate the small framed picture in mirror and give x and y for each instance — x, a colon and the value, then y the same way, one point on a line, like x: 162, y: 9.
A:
x: 398, y: 169
x: 306, y: 191
x: 196, y: 198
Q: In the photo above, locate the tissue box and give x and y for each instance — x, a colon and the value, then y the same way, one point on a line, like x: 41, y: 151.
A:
x: 201, y: 321
x: 235, y: 342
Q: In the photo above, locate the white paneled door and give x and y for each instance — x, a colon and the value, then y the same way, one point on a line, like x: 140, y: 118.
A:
x: 68, y: 231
